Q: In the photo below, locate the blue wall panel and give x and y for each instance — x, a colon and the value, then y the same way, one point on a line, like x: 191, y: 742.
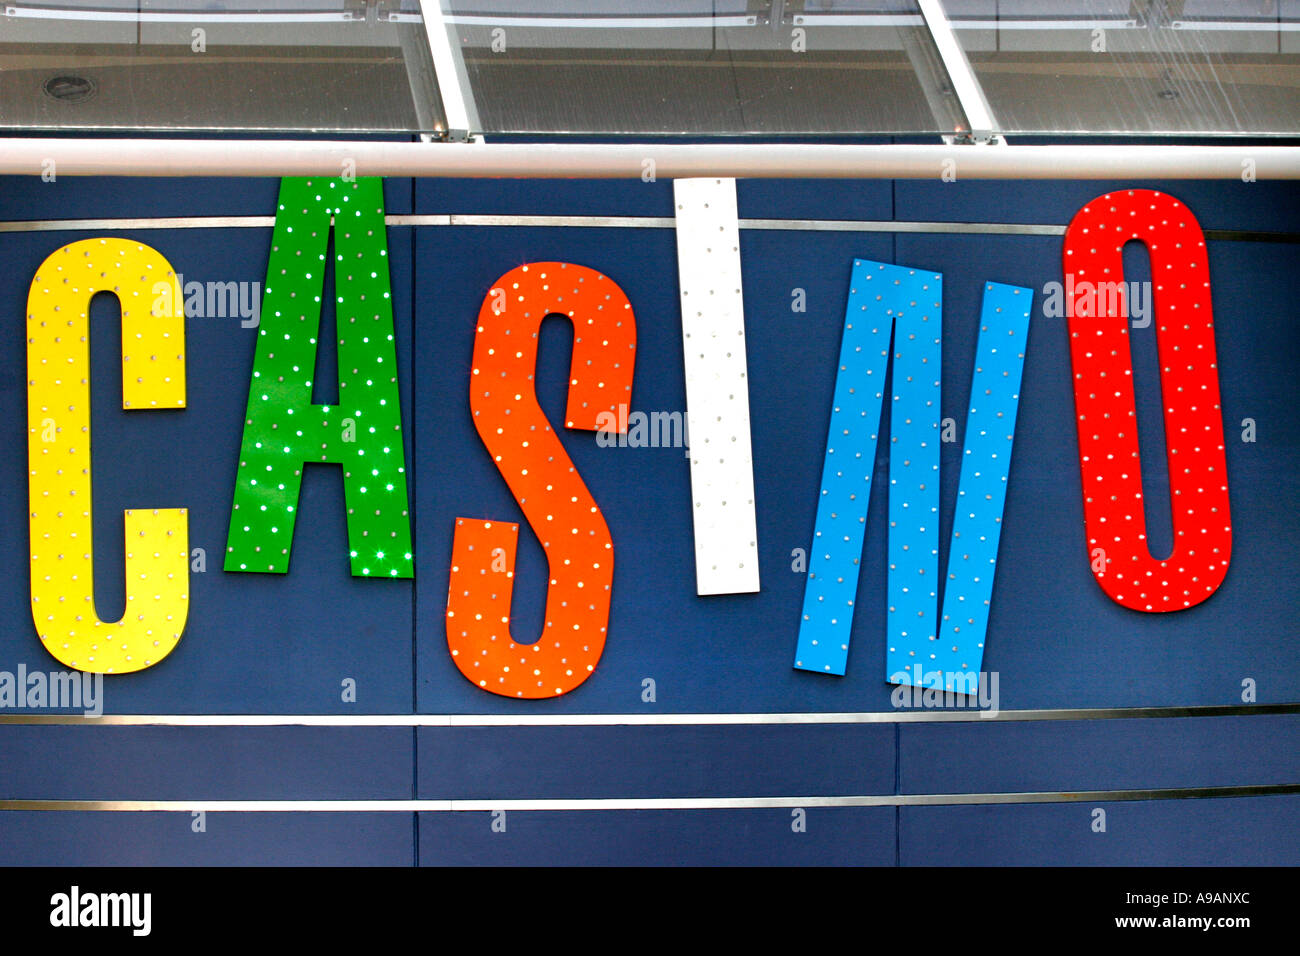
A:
x: 759, y: 198
x: 118, y: 197
x: 1055, y: 638
x: 75, y: 838
x: 206, y: 763
x: 728, y: 653
x: 483, y: 763
x: 1244, y: 831
x: 1116, y: 754
x: 1258, y: 206
x: 284, y: 644
x: 570, y: 197
x: 840, y: 837
x: 1045, y: 591
x: 254, y: 643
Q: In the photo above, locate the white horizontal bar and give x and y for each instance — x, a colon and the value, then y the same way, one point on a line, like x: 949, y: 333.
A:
x: 187, y: 157
x: 631, y: 23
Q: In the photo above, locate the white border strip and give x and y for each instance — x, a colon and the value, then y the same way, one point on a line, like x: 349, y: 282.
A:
x: 717, y: 386
x: 184, y: 157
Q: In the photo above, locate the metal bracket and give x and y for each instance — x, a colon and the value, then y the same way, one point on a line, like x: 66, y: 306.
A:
x: 372, y: 11
x: 776, y: 17
x: 983, y: 126
x: 449, y: 69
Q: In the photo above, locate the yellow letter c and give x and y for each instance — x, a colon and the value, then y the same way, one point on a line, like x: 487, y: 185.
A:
x: 58, y: 455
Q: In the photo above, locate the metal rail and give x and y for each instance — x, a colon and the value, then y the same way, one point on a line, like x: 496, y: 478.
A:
x: 183, y: 157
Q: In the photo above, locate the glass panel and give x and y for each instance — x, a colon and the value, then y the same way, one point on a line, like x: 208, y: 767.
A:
x: 1135, y: 66
x: 328, y: 65
x: 700, y: 67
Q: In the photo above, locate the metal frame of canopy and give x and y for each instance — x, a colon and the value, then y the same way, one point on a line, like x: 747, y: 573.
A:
x: 978, y: 152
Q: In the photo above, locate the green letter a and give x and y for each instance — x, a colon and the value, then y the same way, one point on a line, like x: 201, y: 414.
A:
x: 283, y: 430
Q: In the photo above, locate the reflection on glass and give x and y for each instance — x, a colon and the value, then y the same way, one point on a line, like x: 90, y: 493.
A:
x: 761, y: 68
x: 329, y: 65
x: 1136, y: 66
x: 700, y: 67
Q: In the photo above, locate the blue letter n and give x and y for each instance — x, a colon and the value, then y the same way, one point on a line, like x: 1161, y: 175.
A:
x: 922, y: 650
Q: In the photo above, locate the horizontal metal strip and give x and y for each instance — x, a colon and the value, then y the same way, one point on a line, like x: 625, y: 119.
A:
x: 627, y: 720
x: 1103, y: 23
x: 192, y: 16
x: 850, y: 225
x: 1256, y: 26
x: 611, y: 222
x: 792, y: 225
x: 649, y: 803
x: 904, y: 19
x: 602, y: 222
x: 180, y: 222
x: 859, y: 20
x: 705, y: 22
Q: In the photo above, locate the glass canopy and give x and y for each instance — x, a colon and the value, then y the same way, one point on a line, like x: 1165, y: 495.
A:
x: 758, y: 69
x: 1163, y: 67
x: 700, y: 67
x: 268, y: 65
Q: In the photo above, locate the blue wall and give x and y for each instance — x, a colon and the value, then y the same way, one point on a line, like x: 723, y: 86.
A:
x: 258, y: 644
